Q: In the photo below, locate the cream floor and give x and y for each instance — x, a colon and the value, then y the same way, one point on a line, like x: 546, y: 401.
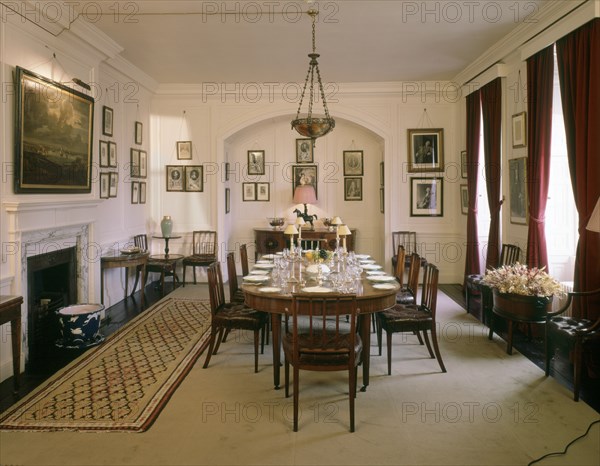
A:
x: 490, y: 408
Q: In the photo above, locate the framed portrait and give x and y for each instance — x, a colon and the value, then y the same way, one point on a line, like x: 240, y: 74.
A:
x: 463, y: 164
x: 112, y: 154
x: 227, y: 200
x: 194, y: 178
x: 107, y: 121
x: 256, y: 162
x: 114, y: 184
x: 353, y: 163
x: 53, y: 136
x: 143, y: 164
x: 184, y: 150
x: 248, y: 191
x: 305, y: 174
x: 135, y: 192
x: 263, y: 192
x: 427, y: 197
x: 304, y: 151
x: 353, y: 189
x: 175, y: 177
x: 519, y: 130
x: 382, y: 200
x: 104, y: 185
x: 134, y: 163
x: 138, y: 132
x: 103, y: 150
x: 142, y: 192
x: 381, y: 174
x: 464, y: 199
x: 425, y: 150
x: 517, y: 187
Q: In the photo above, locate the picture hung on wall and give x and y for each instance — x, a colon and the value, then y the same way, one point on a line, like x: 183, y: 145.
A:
x: 135, y: 192
x: 425, y: 150
x: 194, y: 178
x: 138, y: 132
x: 263, y: 192
x: 103, y: 149
x: 256, y: 162
x: 353, y: 189
x: 114, y: 184
x: 353, y: 163
x: 382, y: 200
x: 143, y: 164
x: 519, y: 130
x: 142, y: 192
x: 304, y: 151
x: 517, y: 187
x: 248, y: 191
x: 305, y: 174
x: 226, y: 171
x: 112, y: 154
x: 464, y: 199
x: 53, y: 136
x: 426, y: 197
x: 104, y: 185
x: 175, y: 178
x: 134, y: 163
x: 184, y: 150
x: 463, y: 164
x: 381, y: 174
x: 107, y: 121
x: 227, y: 200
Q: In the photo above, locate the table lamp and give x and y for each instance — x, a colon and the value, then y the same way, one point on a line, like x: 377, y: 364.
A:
x: 291, y: 230
x: 594, y: 222
x: 305, y: 194
x: 344, y: 231
x: 337, y: 222
x: 300, y: 222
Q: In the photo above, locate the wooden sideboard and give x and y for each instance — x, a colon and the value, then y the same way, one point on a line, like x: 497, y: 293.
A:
x: 269, y: 241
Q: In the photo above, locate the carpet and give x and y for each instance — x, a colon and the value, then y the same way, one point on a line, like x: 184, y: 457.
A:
x: 123, y: 384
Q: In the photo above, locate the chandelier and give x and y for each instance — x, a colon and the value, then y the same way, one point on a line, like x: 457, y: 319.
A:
x: 310, y: 126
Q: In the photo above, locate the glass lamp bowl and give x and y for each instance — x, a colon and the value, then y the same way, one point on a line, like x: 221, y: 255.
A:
x: 276, y: 222
x: 313, y: 127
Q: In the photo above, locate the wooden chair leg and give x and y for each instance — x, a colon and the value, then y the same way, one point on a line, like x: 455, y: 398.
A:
x: 255, y: 351
x: 351, y: 395
x: 436, y: 348
x: 389, y: 351
x: 287, y: 377
x: 547, y: 346
x: 418, y: 334
x: 379, y: 335
x: 211, y: 344
x: 428, y: 344
x: 194, y: 269
x: 219, y: 339
x: 296, y: 396
x: 577, y: 369
x: 226, y: 335
x: 184, y: 267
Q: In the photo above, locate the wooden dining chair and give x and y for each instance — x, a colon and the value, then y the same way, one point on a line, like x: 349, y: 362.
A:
x: 165, y: 267
x: 313, y: 243
x: 236, y: 295
x: 204, y: 251
x: 244, y: 260
x: 318, y: 338
x: 407, y: 239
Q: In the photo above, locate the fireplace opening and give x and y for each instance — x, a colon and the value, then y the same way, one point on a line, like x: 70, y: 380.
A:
x: 51, y: 285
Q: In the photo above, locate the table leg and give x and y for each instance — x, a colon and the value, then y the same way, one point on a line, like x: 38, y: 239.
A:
x: 101, y: 285
x: 365, y: 335
x: 509, y: 344
x: 276, y: 330
x: 126, y: 281
x: 166, y: 246
x: 142, y: 285
x: 15, y: 326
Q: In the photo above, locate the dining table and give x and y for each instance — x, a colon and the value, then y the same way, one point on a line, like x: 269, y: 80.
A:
x: 275, y: 298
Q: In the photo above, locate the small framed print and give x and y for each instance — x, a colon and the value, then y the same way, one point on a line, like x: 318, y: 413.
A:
x: 112, y: 154
x: 135, y: 192
x: 304, y: 151
x: 425, y: 150
x: 519, y: 130
x: 463, y: 164
x: 263, y: 192
x: 138, y: 132
x: 381, y: 174
x: 114, y: 184
x: 107, y: 121
x: 382, y: 200
x: 353, y: 163
x: 227, y: 200
x: 184, y: 150
x: 353, y: 189
x: 256, y: 162
x: 104, y: 185
x: 194, y: 179
x: 305, y: 174
x: 142, y: 192
x: 226, y: 171
x: 517, y: 188
x: 143, y: 164
x: 464, y: 199
x: 103, y: 149
x: 175, y: 177
x: 426, y: 197
x: 248, y: 191
x: 134, y: 163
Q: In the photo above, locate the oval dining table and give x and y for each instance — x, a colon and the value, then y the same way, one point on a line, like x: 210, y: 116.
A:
x: 369, y: 300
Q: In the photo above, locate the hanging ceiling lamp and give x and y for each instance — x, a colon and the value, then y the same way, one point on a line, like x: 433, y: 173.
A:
x: 313, y: 126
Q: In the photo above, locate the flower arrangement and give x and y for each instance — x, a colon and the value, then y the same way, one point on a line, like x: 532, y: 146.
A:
x: 521, y: 280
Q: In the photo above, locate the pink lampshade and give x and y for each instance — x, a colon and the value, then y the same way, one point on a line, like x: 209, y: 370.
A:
x: 594, y: 222
x: 305, y: 194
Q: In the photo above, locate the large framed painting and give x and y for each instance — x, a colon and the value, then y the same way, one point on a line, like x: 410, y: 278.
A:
x: 53, y: 136
x: 517, y: 187
x: 427, y: 197
x: 305, y: 174
x: 425, y: 150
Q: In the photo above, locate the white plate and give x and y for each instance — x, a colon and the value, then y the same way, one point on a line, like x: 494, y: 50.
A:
x: 268, y: 256
x: 316, y: 289
x: 381, y: 278
x: 384, y: 286
x: 269, y: 289
x: 375, y: 272
x: 314, y: 268
x: 367, y: 261
x: 371, y: 266
x: 259, y: 272
x: 263, y: 266
x: 256, y: 278
x: 362, y: 256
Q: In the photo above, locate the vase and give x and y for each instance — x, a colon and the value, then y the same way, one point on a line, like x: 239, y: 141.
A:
x: 166, y: 226
x: 522, y: 308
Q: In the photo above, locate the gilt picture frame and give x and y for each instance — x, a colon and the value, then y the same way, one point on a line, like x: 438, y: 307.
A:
x: 256, y: 162
x: 353, y: 163
x: 138, y: 132
x: 184, y: 150
x: 305, y: 174
x: 519, y: 130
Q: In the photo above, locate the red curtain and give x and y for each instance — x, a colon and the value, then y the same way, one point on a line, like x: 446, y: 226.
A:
x: 491, y: 106
x: 578, y: 56
x: 473, y: 128
x: 540, y: 81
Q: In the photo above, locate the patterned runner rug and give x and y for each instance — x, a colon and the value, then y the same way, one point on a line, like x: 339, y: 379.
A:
x: 125, y: 382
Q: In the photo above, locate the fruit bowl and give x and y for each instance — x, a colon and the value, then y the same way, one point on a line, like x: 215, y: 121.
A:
x: 276, y: 222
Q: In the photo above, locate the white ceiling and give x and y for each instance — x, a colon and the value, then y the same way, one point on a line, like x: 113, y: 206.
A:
x: 359, y: 40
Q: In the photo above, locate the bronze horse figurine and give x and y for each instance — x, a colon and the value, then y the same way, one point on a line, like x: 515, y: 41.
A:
x: 307, y: 218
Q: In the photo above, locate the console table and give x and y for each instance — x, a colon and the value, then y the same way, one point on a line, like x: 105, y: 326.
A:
x: 269, y: 241
x: 10, y: 311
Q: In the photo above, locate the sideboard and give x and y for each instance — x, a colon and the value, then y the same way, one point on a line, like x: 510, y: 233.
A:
x: 269, y: 241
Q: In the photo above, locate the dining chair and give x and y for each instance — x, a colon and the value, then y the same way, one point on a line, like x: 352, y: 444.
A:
x: 165, y: 267
x: 313, y: 243
x: 415, y: 318
x: 204, y: 251
x: 244, y: 260
x: 236, y: 295
x: 318, y: 338
x: 229, y: 316
x: 407, y: 239
x: 573, y: 335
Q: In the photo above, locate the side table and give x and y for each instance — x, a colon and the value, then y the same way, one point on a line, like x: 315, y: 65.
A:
x: 167, y: 238
x: 115, y: 259
x: 167, y: 265
x: 10, y: 311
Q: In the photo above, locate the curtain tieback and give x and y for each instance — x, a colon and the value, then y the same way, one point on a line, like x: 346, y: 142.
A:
x: 538, y: 220
x: 474, y: 211
x: 496, y: 210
